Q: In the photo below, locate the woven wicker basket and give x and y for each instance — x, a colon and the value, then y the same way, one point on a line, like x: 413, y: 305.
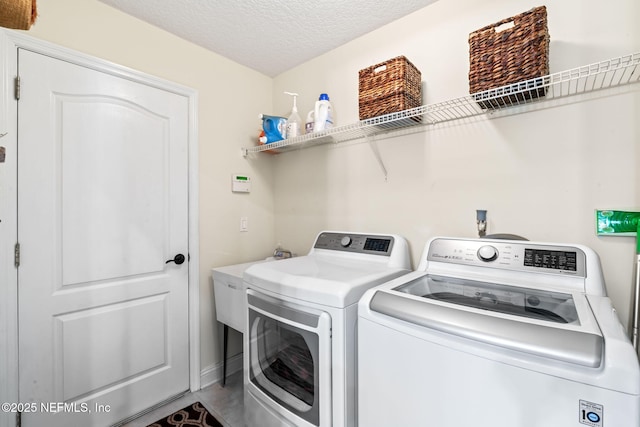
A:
x: 500, y: 57
x: 389, y: 87
x: 17, y: 14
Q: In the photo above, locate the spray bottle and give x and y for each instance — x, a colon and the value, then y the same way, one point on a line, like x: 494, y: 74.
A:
x: 625, y: 223
x: 294, y: 123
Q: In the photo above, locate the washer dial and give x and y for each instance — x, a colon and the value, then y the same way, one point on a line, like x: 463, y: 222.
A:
x: 487, y: 253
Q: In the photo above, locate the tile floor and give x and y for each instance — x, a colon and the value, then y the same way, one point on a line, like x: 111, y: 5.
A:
x: 225, y: 403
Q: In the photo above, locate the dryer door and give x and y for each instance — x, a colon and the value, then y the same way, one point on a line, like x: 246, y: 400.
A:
x: 290, y: 356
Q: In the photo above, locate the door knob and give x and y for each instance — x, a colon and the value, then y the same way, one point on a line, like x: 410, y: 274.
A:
x: 178, y: 259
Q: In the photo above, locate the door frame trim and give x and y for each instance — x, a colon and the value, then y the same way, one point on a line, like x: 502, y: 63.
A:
x: 8, y: 238
x: 10, y: 41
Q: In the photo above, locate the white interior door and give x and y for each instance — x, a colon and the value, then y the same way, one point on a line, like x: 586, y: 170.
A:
x: 102, y: 205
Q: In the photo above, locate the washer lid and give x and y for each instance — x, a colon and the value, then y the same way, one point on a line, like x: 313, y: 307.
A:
x: 336, y: 281
x: 499, y: 315
x: 538, y: 304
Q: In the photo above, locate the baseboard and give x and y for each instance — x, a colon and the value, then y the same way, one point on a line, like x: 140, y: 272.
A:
x: 213, y: 374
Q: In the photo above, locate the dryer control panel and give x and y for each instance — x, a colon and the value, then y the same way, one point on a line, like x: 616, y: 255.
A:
x: 353, y: 242
x: 511, y: 255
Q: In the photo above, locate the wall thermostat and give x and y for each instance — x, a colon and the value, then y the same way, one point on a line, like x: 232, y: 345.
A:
x: 240, y: 183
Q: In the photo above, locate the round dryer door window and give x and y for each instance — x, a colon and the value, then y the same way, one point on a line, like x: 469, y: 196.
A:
x: 285, y: 350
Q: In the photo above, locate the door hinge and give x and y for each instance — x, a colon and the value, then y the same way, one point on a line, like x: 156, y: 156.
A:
x: 17, y: 88
x: 18, y: 419
x: 16, y: 255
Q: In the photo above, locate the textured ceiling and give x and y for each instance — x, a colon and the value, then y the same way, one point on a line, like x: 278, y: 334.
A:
x: 270, y: 36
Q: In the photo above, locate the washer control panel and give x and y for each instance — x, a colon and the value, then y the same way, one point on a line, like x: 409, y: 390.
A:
x: 523, y: 256
x: 353, y: 242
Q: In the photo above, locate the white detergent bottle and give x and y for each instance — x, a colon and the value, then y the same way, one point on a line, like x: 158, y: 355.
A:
x: 308, y: 125
x: 323, y: 113
x: 294, y: 123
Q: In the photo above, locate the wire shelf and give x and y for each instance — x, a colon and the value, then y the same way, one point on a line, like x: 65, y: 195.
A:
x: 589, y: 78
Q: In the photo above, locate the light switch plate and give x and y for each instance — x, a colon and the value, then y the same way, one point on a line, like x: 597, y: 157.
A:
x: 244, y: 223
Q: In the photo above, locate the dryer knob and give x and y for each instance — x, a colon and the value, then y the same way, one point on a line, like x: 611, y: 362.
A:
x: 487, y: 253
x: 346, y: 241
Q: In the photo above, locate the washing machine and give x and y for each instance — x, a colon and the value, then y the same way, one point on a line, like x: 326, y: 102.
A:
x: 300, y: 345
x: 496, y: 334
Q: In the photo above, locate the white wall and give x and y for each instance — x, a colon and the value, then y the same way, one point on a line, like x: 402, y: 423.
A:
x: 230, y: 97
x: 540, y: 174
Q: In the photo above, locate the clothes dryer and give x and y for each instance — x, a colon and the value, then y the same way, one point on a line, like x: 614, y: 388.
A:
x: 300, y: 348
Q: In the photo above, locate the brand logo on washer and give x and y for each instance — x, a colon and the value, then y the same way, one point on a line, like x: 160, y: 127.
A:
x: 591, y: 414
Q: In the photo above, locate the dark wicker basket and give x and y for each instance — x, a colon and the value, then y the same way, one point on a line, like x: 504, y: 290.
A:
x: 519, y: 53
x: 391, y: 86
